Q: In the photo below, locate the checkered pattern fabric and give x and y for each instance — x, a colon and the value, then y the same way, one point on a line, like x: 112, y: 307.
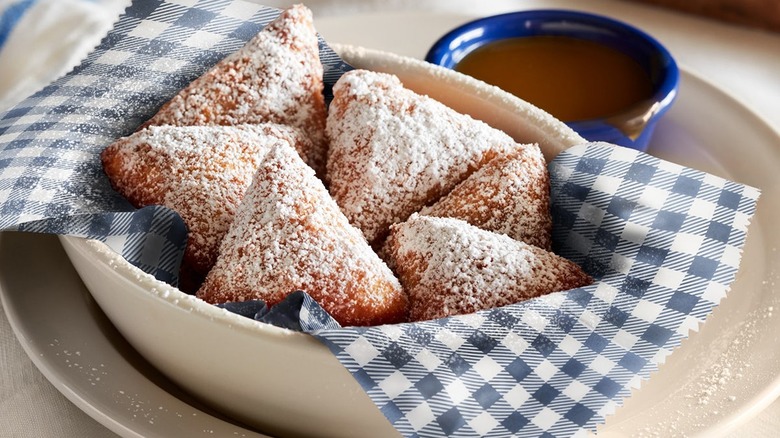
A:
x: 663, y: 242
x: 51, y: 179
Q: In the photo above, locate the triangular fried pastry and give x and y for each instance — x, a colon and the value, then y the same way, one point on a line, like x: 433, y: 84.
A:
x: 276, y: 77
x: 393, y: 151
x: 290, y: 235
x: 508, y: 195
x: 201, y: 172
x: 449, y: 267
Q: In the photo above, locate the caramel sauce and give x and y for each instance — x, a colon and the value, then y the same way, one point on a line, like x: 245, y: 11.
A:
x: 570, y: 78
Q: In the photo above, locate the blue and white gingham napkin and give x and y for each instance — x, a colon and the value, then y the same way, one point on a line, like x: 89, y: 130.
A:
x: 51, y: 179
x: 663, y: 241
x: 664, y: 244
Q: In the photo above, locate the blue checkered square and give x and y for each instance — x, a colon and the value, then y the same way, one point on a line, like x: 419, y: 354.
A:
x: 564, y: 321
x: 543, y: 345
x: 195, y: 18
x: 482, y: 341
x: 429, y: 386
x: 144, y: 9
x: 641, y: 173
x: 457, y: 364
x: 652, y: 256
x: 519, y: 369
x: 396, y: 355
x: 686, y: 186
x: 576, y: 191
x: 563, y: 218
x: 718, y: 231
x: 546, y: 394
x: 703, y: 267
x: 515, y: 422
x: 595, y: 268
x: 635, y: 287
x: 616, y: 316
x: 669, y: 221
x: 606, y: 239
x: 580, y: 296
x: 657, y: 335
x: 608, y: 387
x: 420, y: 336
x: 591, y: 165
x: 579, y: 414
x: 682, y: 302
x: 158, y: 48
x: 362, y: 377
x: 621, y: 207
x: 451, y: 421
x: 503, y: 318
x: 597, y: 343
x: 729, y: 200
x: 573, y: 368
x: 392, y: 412
x: 632, y: 362
x: 486, y: 396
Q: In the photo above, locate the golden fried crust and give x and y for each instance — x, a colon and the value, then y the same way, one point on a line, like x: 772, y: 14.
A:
x: 508, y: 195
x: 201, y: 172
x: 290, y: 235
x: 276, y: 77
x: 449, y: 267
x: 393, y: 151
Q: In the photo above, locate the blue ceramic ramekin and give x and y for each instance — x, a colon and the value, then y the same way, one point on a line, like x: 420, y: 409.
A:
x: 646, y: 50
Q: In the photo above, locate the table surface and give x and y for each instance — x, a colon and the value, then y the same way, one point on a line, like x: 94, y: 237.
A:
x: 742, y: 61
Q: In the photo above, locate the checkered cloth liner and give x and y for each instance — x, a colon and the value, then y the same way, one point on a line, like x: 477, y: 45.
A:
x: 663, y: 241
x: 51, y: 179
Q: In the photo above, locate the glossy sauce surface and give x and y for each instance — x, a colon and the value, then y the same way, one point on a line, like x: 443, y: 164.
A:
x: 570, y: 78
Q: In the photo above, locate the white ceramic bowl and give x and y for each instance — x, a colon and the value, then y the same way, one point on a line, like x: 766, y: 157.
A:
x: 279, y: 381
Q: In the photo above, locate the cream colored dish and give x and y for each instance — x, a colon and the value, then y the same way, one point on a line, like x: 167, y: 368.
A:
x: 280, y: 381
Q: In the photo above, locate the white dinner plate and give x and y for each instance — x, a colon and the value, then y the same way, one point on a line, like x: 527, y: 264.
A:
x: 718, y: 378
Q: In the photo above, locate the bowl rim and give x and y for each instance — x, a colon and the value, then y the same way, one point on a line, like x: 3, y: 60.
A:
x: 560, y: 137
x: 147, y: 284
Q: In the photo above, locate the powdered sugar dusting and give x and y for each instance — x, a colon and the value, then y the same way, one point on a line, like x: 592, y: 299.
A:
x: 289, y: 234
x: 276, y: 77
x: 719, y: 388
x: 201, y: 172
x: 393, y: 151
x: 449, y: 267
x: 508, y: 195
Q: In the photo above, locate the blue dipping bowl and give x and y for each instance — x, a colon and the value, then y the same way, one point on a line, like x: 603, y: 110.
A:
x: 637, y: 122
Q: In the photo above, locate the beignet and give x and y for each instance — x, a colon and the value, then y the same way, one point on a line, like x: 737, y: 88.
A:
x: 290, y: 235
x: 508, y: 195
x: 201, y: 172
x: 449, y: 267
x: 393, y: 151
x: 276, y: 77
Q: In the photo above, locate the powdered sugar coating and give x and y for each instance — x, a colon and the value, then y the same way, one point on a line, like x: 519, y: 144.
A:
x: 449, y: 267
x: 289, y: 234
x: 276, y: 77
x: 393, y: 151
x: 201, y: 172
x: 508, y: 195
